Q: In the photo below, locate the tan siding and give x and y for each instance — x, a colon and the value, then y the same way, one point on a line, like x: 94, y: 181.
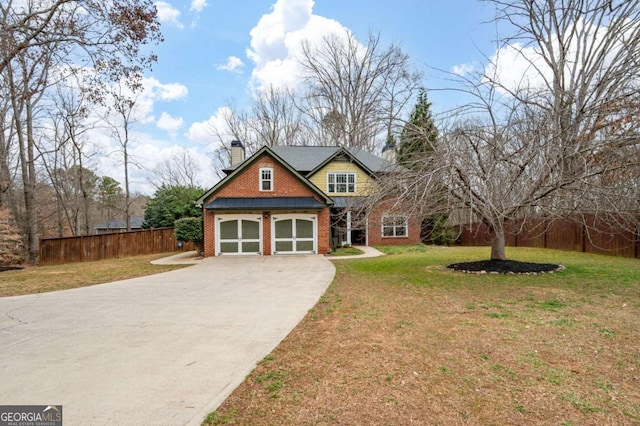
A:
x: 364, y: 183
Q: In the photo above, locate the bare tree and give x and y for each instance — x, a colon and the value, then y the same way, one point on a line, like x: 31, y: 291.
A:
x: 108, y: 36
x: 272, y: 119
x: 8, y: 162
x: 121, y: 122
x: 179, y: 170
x: 66, y: 158
x: 356, y: 93
x: 26, y: 79
x: 275, y: 119
x: 563, y: 140
x: 24, y: 25
x: 38, y: 37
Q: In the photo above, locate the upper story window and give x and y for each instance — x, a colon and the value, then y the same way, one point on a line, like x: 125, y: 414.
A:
x: 266, y: 179
x: 394, y: 226
x: 341, y: 182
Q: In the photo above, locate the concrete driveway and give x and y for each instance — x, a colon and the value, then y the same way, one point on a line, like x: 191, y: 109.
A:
x: 163, y: 350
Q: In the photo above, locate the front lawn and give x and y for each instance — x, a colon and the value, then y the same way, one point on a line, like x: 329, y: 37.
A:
x: 346, y: 251
x: 401, y: 340
x: 40, y: 279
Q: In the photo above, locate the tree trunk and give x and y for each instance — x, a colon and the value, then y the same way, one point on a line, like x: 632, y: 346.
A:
x: 30, y: 191
x: 497, y: 244
x: 127, y: 196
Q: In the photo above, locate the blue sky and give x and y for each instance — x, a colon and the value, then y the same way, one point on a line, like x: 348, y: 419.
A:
x: 219, y: 51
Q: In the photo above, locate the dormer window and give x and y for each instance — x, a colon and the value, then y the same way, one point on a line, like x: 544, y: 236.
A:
x: 266, y: 179
x: 341, y: 183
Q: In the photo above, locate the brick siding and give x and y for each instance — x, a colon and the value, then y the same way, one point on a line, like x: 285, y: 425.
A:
x: 375, y: 237
x: 247, y: 184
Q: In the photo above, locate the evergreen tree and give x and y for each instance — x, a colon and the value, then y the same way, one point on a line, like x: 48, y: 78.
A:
x: 419, y: 134
x: 110, y: 198
x: 417, y: 142
x: 170, y: 203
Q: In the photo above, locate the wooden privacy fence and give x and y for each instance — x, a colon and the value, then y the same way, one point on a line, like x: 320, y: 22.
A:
x: 54, y: 251
x: 594, y: 236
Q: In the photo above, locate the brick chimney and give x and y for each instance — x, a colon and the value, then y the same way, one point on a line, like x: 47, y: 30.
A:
x: 237, y: 152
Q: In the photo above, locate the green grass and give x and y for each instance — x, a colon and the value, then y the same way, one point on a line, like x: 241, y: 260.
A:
x: 346, y: 251
x: 399, y: 332
x: 425, y: 266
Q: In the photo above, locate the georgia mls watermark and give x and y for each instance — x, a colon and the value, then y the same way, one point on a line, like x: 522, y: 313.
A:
x: 30, y: 415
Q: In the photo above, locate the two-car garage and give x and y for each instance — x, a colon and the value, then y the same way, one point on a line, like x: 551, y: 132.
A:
x: 247, y: 234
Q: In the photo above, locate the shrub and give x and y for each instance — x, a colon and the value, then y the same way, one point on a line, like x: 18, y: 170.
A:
x: 189, y: 229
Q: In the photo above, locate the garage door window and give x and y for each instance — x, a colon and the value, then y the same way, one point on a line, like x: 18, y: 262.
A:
x: 238, y: 235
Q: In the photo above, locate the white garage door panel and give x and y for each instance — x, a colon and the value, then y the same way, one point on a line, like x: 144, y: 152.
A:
x: 238, y: 234
x: 294, y: 234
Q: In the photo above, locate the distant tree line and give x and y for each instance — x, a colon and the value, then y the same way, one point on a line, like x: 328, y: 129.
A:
x: 562, y: 140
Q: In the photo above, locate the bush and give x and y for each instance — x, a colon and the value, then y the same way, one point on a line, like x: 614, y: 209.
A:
x: 189, y: 229
x: 441, y: 233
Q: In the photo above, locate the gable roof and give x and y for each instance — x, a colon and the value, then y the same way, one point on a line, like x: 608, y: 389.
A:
x: 306, y: 159
x: 246, y: 163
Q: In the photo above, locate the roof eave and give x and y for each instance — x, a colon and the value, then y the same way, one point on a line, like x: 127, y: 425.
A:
x: 250, y: 160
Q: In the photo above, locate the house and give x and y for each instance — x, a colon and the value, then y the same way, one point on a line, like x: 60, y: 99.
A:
x: 119, y: 226
x: 300, y: 199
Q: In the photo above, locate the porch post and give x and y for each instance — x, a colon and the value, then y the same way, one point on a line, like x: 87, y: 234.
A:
x: 349, y: 227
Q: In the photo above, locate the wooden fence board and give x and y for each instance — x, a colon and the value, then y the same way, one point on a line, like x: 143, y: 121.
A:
x: 55, y: 251
x: 594, y: 237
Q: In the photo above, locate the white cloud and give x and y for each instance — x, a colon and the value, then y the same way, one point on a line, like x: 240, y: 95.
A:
x: 213, y: 131
x: 153, y: 91
x: 276, y: 42
x: 463, y: 69
x: 234, y: 64
x: 165, y: 91
x: 168, y: 13
x: 198, y: 5
x: 517, y: 67
x: 169, y: 123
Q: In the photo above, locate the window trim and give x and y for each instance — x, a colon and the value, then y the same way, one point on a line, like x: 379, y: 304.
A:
x: 261, y: 179
x: 405, y: 225
x: 347, y: 184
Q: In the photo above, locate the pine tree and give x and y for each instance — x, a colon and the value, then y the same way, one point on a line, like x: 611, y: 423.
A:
x: 419, y: 135
x: 417, y: 142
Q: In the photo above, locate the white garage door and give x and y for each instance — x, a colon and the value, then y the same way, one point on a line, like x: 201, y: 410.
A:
x: 238, y: 234
x: 294, y: 234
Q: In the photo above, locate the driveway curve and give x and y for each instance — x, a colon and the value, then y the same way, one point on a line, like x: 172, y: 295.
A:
x: 164, y: 349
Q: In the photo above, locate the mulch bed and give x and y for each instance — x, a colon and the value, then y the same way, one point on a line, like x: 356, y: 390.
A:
x: 504, y: 267
x: 9, y: 268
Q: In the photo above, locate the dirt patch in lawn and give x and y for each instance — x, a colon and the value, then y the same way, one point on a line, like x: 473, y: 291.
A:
x: 412, y: 344
x: 504, y: 267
